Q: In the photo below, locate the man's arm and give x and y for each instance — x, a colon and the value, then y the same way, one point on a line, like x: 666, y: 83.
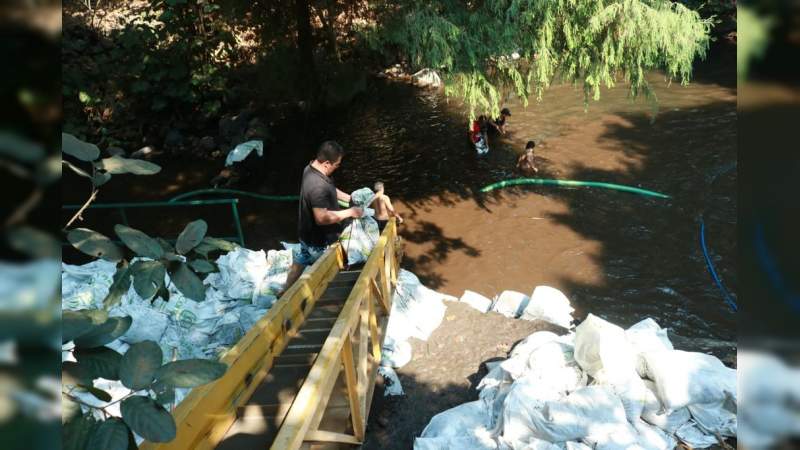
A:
x: 390, y: 209
x: 324, y: 216
x: 342, y: 196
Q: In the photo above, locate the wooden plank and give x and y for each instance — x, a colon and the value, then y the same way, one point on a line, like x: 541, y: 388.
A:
x: 373, y: 330
x: 363, y: 359
x: 352, y: 388
x: 329, y: 436
x: 203, y: 417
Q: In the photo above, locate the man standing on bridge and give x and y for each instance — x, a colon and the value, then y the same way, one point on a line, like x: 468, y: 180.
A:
x: 319, y: 215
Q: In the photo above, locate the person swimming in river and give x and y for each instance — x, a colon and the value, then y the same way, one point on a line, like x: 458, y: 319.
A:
x: 499, y: 124
x: 527, y: 161
x: 478, y: 135
x: 383, y: 207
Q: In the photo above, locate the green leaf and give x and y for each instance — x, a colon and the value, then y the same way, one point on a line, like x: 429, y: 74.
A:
x: 148, y: 277
x: 111, y: 434
x: 140, y: 243
x: 19, y: 148
x: 76, y: 169
x: 165, y: 394
x: 202, y: 266
x: 102, y: 362
x: 78, y: 148
x: 118, y: 164
x: 189, y: 373
x: 210, y: 244
x: 187, y: 282
x: 166, y: 246
x: 148, y: 419
x: 94, y: 244
x: 99, y: 394
x: 73, y: 324
x: 103, y: 334
x: 75, y: 374
x: 77, y: 432
x: 100, y: 178
x: 84, y: 97
x: 34, y: 243
x: 139, y: 365
x: 120, y: 286
x: 192, y: 235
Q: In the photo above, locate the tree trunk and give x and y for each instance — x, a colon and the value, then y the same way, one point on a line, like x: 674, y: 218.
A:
x: 305, y: 47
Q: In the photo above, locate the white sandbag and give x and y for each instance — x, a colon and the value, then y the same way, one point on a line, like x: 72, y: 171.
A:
x: 240, y: 271
x: 360, y: 236
x: 524, y: 399
x: 551, y: 366
x: 647, y: 336
x: 427, y: 78
x: 510, y: 303
x: 694, y: 436
x: 532, y: 342
x: 550, y: 305
x: 476, y: 301
x: 715, y: 418
x: 391, y: 382
x: 85, y: 286
x: 539, y: 444
x: 603, y: 351
x: 395, y: 353
x: 493, y: 389
x: 147, y: 324
x: 463, y: 420
x: 416, y: 310
x: 591, y: 411
x: 572, y: 445
x: 771, y: 392
x: 453, y: 443
x: 685, y: 378
x: 243, y: 150
x: 653, y: 438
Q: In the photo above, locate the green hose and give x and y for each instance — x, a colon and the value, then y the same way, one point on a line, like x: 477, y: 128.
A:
x: 274, y: 198
x: 571, y: 183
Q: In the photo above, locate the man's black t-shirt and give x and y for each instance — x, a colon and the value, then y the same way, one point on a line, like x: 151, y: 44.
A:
x: 317, y: 191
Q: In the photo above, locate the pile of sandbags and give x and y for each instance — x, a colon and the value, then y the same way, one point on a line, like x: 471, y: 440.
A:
x: 236, y: 296
x: 545, y: 303
x: 600, y: 386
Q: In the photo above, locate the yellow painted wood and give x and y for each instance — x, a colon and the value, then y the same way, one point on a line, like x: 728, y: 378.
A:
x: 373, y: 330
x: 352, y: 387
x: 363, y: 358
x: 204, y: 416
x: 329, y: 436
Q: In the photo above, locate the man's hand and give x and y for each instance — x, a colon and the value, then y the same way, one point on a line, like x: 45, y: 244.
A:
x: 399, y: 219
x: 356, y: 212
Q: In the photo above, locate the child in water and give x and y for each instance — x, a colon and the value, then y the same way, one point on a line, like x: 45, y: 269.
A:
x: 478, y: 135
x: 527, y: 162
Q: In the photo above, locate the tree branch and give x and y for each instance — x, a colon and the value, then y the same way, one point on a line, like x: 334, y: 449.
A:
x: 83, y: 208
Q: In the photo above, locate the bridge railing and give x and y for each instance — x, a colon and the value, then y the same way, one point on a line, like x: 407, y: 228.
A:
x: 206, y: 414
x: 353, y: 346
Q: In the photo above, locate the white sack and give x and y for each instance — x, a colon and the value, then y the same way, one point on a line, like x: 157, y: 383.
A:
x: 647, y: 336
x: 685, y: 378
x: 550, y: 305
x: 476, y: 301
x: 243, y: 150
x: 510, y: 303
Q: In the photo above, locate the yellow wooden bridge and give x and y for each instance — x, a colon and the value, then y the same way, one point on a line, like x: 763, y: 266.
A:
x: 304, y: 375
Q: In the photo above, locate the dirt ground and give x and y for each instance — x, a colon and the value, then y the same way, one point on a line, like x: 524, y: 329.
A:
x: 443, y: 373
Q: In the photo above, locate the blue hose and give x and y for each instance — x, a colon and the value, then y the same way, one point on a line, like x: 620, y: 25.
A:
x: 727, y: 295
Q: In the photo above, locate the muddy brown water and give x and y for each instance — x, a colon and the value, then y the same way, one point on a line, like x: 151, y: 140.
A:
x: 614, y: 254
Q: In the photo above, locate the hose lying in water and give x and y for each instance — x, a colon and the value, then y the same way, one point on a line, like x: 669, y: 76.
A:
x: 725, y: 294
x: 571, y: 183
x: 274, y: 198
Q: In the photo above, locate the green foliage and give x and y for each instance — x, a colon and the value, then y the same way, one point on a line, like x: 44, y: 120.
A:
x: 523, y: 46
x: 117, y: 165
x: 752, y: 39
x: 138, y: 367
x: 79, y: 149
x: 139, y: 242
x: 148, y: 419
x: 94, y: 244
x: 192, y: 235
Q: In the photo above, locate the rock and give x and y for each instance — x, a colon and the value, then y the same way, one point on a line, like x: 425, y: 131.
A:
x: 115, y: 151
x: 207, y: 144
x: 174, y: 139
x: 145, y: 153
x: 256, y: 130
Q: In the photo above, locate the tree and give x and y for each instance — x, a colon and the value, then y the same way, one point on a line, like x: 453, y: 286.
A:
x: 484, y: 49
